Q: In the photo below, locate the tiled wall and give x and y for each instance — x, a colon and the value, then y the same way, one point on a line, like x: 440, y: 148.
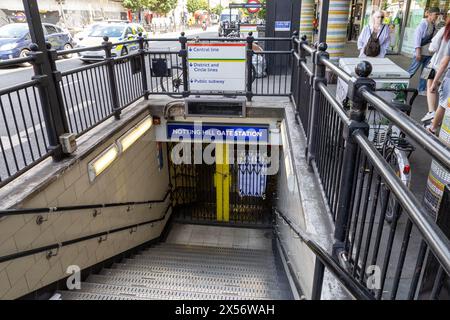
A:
x: 134, y: 176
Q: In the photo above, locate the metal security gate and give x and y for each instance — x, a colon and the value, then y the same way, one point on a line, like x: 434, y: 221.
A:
x: 230, y: 193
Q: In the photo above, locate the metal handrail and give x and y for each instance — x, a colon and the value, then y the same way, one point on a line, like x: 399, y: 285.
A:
x: 26, y: 253
x: 9, y: 212
x: 20, y: 86
x: 11, y: 62
x: 80, y: 49
x: 412, y: 129
x: 84, y: 68
x: 308, y: 49
x: 353, y: 286
x: 433, y: 235
x: 338, y: 71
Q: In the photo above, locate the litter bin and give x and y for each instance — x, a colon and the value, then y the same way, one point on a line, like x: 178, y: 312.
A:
x: 385, y: 73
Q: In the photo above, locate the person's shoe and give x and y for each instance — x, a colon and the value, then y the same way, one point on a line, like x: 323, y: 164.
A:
x: 428, y: 116
x: 423, y: 93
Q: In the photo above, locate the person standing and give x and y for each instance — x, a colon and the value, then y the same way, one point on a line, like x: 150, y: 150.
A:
x: 374, y: 38
x: 444, y: 89
x: 422, y: 38
x: 439, y: 47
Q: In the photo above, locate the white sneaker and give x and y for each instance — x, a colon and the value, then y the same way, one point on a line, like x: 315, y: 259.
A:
x: 428, y: 116
x: 423, y: 93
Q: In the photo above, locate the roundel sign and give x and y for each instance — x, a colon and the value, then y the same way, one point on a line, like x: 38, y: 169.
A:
x: 256, y: 8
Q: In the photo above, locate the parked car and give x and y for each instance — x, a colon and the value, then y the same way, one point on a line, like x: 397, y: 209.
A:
x: 116, y: 32
x: 15, y: 39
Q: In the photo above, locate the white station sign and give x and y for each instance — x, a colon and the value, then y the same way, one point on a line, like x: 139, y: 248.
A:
x: 216, y: 66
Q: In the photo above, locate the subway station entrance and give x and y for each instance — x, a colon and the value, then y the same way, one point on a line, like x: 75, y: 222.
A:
x: 234, y: 189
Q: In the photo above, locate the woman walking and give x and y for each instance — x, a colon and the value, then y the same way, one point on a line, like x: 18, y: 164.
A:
x: 438, y: 46
x: 374, y: 38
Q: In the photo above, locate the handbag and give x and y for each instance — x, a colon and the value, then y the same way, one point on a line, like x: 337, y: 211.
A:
x: 426, y: 72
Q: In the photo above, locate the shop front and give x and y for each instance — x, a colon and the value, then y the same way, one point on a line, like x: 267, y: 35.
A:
x: 402, y: 17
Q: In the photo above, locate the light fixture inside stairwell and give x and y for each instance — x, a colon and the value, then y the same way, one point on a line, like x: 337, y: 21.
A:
x: 102, y: 161
x: 132, y: 135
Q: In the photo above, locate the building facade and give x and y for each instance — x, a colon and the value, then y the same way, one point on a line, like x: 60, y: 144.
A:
x: 71, y: 14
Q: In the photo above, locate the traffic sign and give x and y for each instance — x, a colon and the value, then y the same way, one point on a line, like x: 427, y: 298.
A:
x: 253, y: 9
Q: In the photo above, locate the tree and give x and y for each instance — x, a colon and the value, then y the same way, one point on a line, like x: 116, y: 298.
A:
x: 133, y: 4
x: 194, y: 5
x: 161, y: 6
x: 217, y: 9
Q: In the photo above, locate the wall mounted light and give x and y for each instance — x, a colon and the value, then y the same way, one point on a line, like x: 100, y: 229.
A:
x: 132, y: 135
x: 102, y: 161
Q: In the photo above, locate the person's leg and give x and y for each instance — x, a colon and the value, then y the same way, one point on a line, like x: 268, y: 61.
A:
x: 437, y: 119
x: 444, y: 95
x: 431, y: 97
x: 413, y: 67
x: 422, y: 82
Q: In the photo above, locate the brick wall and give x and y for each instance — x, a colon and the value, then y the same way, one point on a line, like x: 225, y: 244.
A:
x: 134, y: 176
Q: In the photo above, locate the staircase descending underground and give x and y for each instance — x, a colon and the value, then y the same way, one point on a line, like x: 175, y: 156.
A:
x: 177, y: 271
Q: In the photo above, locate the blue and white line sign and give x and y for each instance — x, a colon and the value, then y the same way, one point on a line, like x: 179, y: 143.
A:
x: 212, y: 131
x: 282, y: 26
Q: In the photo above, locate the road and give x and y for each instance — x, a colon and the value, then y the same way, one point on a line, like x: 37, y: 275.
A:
x: 87, y: 100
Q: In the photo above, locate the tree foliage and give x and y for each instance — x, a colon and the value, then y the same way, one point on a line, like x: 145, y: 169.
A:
x: 217, y: 9
x: 161, y: 6
x: 194, y: 5
x: 158, y: 6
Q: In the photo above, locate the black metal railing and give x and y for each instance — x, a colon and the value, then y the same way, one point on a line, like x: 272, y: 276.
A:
x: 23, y: 133
x: 36, y: 113
x: 384, y: 236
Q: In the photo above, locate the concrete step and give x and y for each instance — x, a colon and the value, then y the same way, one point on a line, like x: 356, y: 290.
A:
x: 267, y: 263
x: 175, y: 271
x: 198, y: 271
x: 153, y: 293
x: 192, y: 265
x: 189, y: 286
x: 180, y: 276
x: 211, y: 249
x: 82, y: 295
x: 217, y: 254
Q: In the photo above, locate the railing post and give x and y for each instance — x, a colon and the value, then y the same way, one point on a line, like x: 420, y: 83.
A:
x: 184, y: 63
x: 294, y: 71
x: 57, y: 78
x: 357, y: 123
x: 319, y: 77
x: 302, y: 58
x: 50, y: 119
x: 143, y: 67
x: 250, y: 39
x: 52, y: 107
x: 112, y: 77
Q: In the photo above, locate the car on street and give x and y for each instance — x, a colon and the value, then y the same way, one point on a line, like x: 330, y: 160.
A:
x: 228, y: 22
x: 116, y: 32
x: 15, y: 39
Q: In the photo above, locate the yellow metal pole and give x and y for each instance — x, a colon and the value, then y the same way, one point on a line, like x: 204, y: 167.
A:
x: 219, y: 182
x: 226, y: 183
x: 222, y: 182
